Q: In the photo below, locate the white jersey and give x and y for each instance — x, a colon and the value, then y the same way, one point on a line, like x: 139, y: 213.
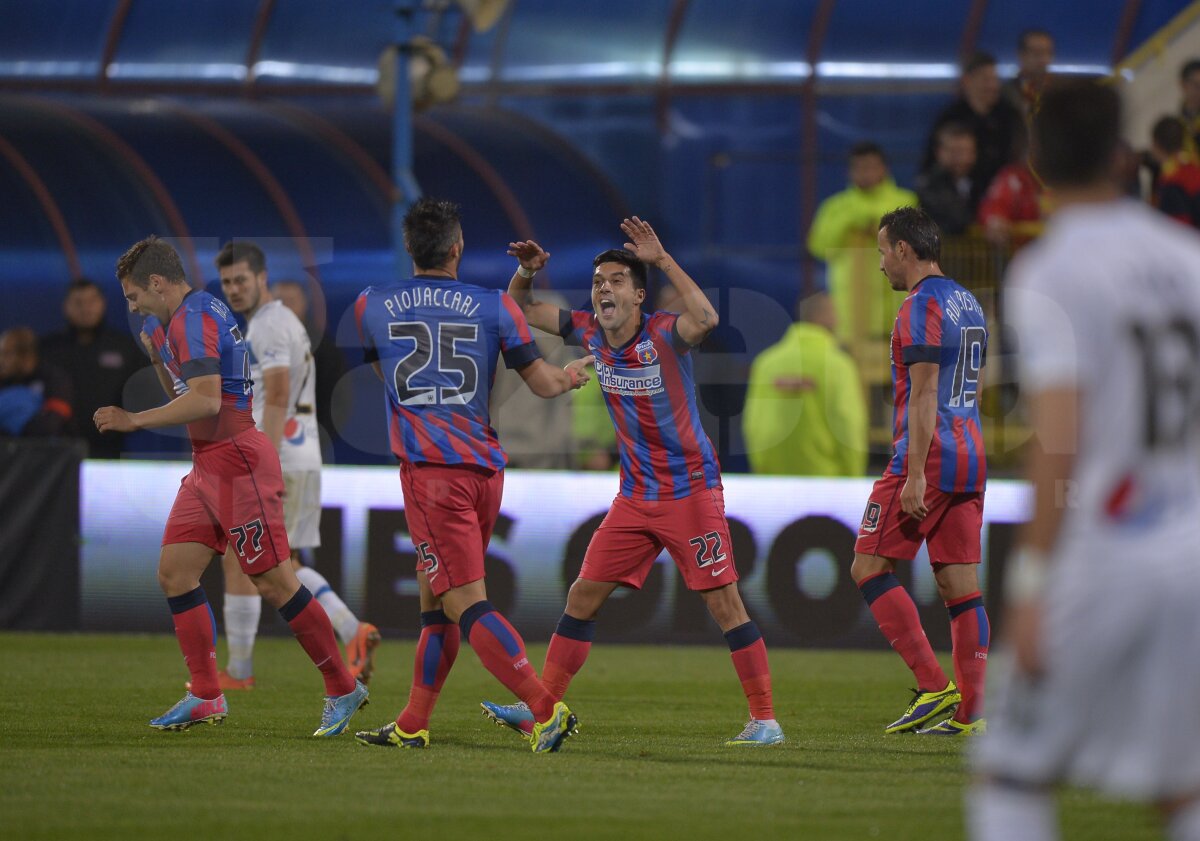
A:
x: 277, y: 339
x: 1108, y: 302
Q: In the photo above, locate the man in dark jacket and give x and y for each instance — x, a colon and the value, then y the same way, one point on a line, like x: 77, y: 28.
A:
x: 947, y: 191
x: 992, y: 119
x: 98, y: 360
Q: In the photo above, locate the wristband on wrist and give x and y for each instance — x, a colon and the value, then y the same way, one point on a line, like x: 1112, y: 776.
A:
x: 573, y: 373
x: 1025, y: 579
x: 526, y: 273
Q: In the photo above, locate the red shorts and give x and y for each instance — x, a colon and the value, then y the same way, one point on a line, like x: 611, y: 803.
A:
x: 693, y: 529
x: 451, y: 511
x: 951, y: 528
x: 233, y: 498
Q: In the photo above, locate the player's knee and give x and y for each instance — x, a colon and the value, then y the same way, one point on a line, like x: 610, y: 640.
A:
x: 585, y: 599
x: 864, y: 566
x: 726, y: 607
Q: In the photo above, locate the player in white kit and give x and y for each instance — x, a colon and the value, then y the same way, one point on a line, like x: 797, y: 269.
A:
x: 1096, y: 682
x: 281, y: 365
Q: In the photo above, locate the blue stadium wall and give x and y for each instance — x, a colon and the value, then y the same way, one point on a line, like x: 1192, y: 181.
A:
x: 258, y: 119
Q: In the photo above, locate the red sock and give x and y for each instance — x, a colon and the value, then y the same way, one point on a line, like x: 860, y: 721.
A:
x: 436, y: 650
x: 310, y: 623
x: 567, y: 653
x: 896, y: 614
x: 749, y: 654
x: 502, y: 652
x: 970, y: 632
x: 196, y: 630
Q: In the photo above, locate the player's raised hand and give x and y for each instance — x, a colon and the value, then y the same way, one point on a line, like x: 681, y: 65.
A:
x: 643, y: 241
x: 912, y: 498
x: 113, y: 419
x: 148, y: 344
x: 578, y: 371
x: 529, y: 254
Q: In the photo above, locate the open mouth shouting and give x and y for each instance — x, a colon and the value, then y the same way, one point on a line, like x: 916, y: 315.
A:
x: 607, y: 306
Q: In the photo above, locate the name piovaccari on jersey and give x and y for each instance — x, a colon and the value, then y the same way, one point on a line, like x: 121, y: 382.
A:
x: 651, y: 397
x: 437, y: 341
x: 200, y: 339
x: 942, y: 323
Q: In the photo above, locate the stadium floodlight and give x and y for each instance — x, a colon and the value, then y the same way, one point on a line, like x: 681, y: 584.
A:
x: 432, y: 78
x: 483, y: 14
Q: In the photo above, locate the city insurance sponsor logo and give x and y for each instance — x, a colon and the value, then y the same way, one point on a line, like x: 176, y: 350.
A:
x: 629, y: 382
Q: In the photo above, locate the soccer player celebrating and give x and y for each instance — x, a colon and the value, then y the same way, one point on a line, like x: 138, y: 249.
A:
x: 932, y: 490
x: 284, y: 374
x: 434, y: 340
x: 230, y: 501
x: 1096, y: 683
x: 670, y: 481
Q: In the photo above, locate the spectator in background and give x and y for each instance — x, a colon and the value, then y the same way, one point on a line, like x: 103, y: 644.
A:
x: 98, y: 361
x: 1011, y: 210
x: 1177, y: 190
x: 35, y: 397
x: 805, y: 412
x: 992, y: 119
x: 1189, y: 108
x: 329, y: 362
x: 843, y: 235
x: 1035, y: 54
x: 535, y: 433
x: 947, y: 191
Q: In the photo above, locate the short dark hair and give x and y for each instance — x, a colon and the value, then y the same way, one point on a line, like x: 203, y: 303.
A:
x: 863, y: 148
x: 637, y: 269
x: 1075, y: 133
x: 1169, y: 134
x: 1188, y: 69
x: 1026, y: 34
x: 914, y: 226
x: 954, y: 129
x: 237, y: 252
x: 431, y: 228
x: 977, y: 60
x: 81, y: 283
x: 150, y: 256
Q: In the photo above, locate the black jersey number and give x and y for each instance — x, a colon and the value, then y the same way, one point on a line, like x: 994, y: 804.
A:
x: 966, y: 370
x: 1170, y: 359
x: 449, y: 361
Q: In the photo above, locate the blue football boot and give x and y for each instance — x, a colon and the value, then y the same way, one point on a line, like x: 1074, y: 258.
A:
x: 192, y: 710
x: 758, y: 733
x: 337, y: 712
x: 516, y: 716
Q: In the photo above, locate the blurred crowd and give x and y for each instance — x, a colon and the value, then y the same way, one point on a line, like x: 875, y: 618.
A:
x: 814, y: 403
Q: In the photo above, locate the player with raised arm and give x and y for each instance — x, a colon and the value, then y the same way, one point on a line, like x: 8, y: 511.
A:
x: 671, y: 492
x: 433, y: 340
x: 932, y: 489
x: 1095, y: 683
x: 230, y: 502
x: 284, y: 374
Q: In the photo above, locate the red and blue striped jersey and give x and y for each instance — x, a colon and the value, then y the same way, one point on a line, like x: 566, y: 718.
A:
x: 941, y: 322
x: 437, y: 341
x: 651, y: 398
x: 202, y: 338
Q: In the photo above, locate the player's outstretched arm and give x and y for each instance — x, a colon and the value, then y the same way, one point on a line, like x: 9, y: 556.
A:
x: 699, y: 317
x: 546, y: 380
x: 201, y: 400
x: 531, y: 259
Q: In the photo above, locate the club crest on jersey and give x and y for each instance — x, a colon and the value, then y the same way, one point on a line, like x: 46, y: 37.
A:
x: 646, y: 352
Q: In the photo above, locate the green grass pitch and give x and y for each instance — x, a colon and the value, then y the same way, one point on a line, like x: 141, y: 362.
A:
x: 78, y: 761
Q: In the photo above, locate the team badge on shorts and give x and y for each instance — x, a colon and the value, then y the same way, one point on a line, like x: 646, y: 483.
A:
x: 646, y: 353
x: 870, y: 520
